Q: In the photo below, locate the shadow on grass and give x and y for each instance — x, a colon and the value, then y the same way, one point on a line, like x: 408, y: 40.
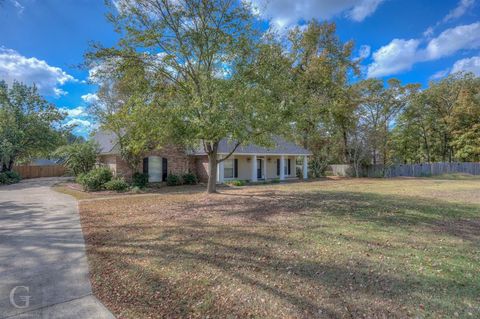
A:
x: 456, y: 219
x: 246, y: 254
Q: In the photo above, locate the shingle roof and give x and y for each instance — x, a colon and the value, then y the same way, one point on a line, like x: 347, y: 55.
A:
x: 108, y: 145
x: 281, y: 147
x: 107, y: 142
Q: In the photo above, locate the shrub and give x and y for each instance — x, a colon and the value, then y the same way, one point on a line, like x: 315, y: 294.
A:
x: 9, y: 177
x: 3, y: 178
x: 117, y: 184
x: 190, y: 179
x: 236, y: 182
x: 298, y: 172
x: 136, y: 190
x: 139, y: 180
x: 95, y: 179
x: 317, y: 166
x: 174, y: 180
x: 79, y: 178
x: 275, y: 181
x: 78, y: 157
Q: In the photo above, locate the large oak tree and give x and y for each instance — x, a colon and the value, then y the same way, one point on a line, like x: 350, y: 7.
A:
x: 220, y: 77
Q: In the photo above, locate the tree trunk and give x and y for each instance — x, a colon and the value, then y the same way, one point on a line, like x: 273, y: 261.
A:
x: 212, y: 172
x: 7, y: 167
x: 345, y: 147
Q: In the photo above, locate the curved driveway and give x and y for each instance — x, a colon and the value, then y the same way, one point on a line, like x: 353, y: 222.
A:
x: 43, y: 266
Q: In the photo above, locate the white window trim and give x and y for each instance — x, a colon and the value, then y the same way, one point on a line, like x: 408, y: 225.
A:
x: 232, y: 159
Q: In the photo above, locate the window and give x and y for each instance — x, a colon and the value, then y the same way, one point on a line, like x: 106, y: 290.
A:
x: 229, y: 168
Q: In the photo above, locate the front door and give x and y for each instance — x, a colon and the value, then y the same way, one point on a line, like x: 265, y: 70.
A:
x: 259, y: 168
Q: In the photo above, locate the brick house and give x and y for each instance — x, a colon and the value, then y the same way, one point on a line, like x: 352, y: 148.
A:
x: 248, y: 162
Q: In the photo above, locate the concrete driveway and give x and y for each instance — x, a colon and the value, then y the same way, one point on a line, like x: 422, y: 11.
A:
x: 43, y: 266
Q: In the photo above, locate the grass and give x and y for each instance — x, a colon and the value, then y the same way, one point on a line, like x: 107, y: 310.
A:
x: 457, y: 176
x: 345, y: 248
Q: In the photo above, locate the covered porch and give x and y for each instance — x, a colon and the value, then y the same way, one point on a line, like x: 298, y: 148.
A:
x: 261, y: 167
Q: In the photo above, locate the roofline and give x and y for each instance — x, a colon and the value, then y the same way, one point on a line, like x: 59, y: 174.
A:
x: 261, y: 154
x: 109, y: 153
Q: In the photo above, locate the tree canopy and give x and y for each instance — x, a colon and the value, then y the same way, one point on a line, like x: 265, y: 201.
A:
x: 29, y: 125
x: 214, y: 76
x: 190, y: 72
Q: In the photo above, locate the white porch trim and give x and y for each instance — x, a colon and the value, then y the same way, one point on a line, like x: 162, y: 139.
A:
x: 220, y: 172
x: 247, y: 167
x: 282, y: 167
x: 253, y: 174
x: 305, y: 167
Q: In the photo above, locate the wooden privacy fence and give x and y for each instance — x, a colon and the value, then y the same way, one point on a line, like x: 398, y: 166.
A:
x: 32, y: 171
x: 410, y: 170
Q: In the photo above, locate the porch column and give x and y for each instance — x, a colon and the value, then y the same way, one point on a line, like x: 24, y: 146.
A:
x: 265, y: 168
x: 282, y: 167
x: 254, y: 168
x: 305, y: 167
x: 220, y: 172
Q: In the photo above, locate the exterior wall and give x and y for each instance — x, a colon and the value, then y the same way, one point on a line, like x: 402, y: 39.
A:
x: 109, y: 161
x: 201, y: 166
x: 272, y: 167
x: 178, y: 162
x: 245, y: 166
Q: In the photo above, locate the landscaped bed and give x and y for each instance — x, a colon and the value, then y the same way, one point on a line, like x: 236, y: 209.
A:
x: 344, y: 248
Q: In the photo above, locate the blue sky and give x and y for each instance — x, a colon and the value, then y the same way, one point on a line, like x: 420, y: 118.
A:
x: 43, y: 41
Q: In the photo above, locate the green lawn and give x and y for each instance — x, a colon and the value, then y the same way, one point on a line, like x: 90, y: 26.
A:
x: 331, y: 248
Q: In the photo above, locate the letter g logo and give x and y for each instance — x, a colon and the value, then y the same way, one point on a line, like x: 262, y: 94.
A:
x: 24, y: 299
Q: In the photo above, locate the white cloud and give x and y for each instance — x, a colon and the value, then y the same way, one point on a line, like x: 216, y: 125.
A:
x: 364, y: 51
x: 90, y: 98
x: 459, y: 10
x: 453, y: 40
x: 429, y: 32
x: 440, y: 74
x: 468, y: 65
x: 462, y: 7
x: 79, y: 122
x: 364, y: 9
x: 78, y: 111
x: 285, y: 13
x: 471, y: 64
x: 79, y: 119
x: 102, y: 69
x: 82, y: 125
x: 14, y: 66
x: 20, y: 8
x: 59, y: 92
x: 400, y: 54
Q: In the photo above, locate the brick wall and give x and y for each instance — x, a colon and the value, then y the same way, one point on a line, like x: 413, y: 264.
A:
x: 201, y: 166
x: 178, y: 162
x: 109, y: 161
